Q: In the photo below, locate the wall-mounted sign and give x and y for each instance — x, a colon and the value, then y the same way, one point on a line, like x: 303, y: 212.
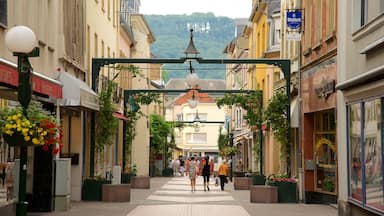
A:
x: 325, y: 89
x: 294, y: 20
x: 294, y: 25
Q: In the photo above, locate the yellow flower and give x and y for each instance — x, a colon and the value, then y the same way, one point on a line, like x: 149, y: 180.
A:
x: 27, y: 138
x: 35, y: 141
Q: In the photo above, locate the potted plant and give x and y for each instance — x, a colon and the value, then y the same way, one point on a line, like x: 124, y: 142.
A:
x: 34, y: 127
x: 286, y: 187
x: 128, y: 174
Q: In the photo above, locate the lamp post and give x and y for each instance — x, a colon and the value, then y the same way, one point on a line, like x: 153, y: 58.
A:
x: 21, y: 41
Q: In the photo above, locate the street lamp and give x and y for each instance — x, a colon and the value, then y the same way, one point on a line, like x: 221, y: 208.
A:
x: 21, y: 41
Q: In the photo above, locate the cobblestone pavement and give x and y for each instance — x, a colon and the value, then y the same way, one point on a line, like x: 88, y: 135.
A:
x: 172, y: 197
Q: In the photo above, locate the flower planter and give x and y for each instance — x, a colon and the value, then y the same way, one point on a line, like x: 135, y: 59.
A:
x: 242, y: 183
x: 126, y: 178
x: 116, y: 193
x: 258, y: 180
x: 92, y: 189
x: 263, y: 194
x: 287, y: 191
x: 140, y: 182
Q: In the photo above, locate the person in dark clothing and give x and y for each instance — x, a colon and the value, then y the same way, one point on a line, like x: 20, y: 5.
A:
x: 206, y: 173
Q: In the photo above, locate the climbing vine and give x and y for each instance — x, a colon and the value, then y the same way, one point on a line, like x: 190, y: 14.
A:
x: 133, y: 114
x: 276, y: 117
x: 251, y: 102
x: 107, y: 124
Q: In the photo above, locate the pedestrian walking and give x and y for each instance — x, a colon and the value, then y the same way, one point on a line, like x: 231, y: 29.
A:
x: 211, y: 167
x: 223, y: 173
x: 192, y: 173
x: 206, y: 173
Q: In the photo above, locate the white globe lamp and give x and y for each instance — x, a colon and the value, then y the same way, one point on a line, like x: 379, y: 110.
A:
x: 20, y: 39
x: 192, y: 103
x: 192, y: 79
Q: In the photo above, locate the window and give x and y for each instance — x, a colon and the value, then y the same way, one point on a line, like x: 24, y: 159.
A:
x: 372, y: 154
x: 317, y: 22
x: 365, y: 153
x: 331, y: 18
x: 325, y: 152
x: 354, y: 140
x: 196, y: 138
x: 365, y: 11
x: 307, y: 24
x: 3, y: 13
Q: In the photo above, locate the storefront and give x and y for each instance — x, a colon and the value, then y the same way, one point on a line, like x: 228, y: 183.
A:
x: 319, y: 132
x: 364, y: 104
x: 40, y: 172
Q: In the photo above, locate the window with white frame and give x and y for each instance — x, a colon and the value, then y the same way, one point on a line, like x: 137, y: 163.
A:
x: 196, y: 138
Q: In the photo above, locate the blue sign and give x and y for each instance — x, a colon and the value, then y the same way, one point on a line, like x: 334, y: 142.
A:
x: 294, y: 19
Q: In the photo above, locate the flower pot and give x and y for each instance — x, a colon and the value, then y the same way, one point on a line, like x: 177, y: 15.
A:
x: 258, y: 180
x: 92, y: 189
x: 16, y: 140
x: 286, y: 191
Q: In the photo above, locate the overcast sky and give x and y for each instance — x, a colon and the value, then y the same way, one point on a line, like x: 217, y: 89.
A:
x: 229, y: 8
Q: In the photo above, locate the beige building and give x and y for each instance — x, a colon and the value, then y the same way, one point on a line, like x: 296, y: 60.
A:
x: 43, y: 18
x: 196, y: 138
x: 140, y: 147
x: 360, y: 107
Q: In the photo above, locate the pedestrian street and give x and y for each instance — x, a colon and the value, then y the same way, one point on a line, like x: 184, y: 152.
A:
x: 175, y: 198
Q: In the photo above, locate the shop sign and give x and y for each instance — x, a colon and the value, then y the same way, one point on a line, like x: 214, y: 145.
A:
x: 325, y: 89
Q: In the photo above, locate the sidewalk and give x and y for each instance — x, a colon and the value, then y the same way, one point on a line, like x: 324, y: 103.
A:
x: 172, y: 197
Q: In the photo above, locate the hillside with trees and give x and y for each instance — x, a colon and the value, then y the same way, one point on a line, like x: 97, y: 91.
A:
x: 211, y: 34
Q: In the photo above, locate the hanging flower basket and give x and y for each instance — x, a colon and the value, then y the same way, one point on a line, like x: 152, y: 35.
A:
x: 38, y: 128
x: 16, y: 140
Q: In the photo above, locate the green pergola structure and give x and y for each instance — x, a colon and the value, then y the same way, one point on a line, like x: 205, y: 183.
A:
x: 97, y: 63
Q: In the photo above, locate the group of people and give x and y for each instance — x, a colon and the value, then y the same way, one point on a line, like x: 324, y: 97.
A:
x: 205, y: 168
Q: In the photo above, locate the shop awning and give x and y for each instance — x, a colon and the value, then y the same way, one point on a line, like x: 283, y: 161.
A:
x: 77, y: 93
x: 120, y: 116
x: 40, y: 83
x: 294, y: 113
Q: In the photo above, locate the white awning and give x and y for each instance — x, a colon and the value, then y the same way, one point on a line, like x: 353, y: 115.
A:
x: 295, y: 113
x: 77, y: 93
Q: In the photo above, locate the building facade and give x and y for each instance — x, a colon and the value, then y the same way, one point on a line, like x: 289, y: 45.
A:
x: 318, y: 80
x: 360, y: 107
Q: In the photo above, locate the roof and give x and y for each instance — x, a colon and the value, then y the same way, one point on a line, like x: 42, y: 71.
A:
x: 206, y: 84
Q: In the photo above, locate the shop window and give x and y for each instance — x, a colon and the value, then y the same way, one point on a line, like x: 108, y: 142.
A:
x: 372, y: 155
x: 354, y: 140
x: 325, y: 152
x: 365, y: 139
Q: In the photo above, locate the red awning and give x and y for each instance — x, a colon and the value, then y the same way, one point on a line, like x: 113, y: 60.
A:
x: 40, y: 83
x: 120, y: 116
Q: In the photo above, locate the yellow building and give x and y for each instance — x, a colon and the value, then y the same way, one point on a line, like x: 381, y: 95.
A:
x: 264, y: 42
x: 102, y: 41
